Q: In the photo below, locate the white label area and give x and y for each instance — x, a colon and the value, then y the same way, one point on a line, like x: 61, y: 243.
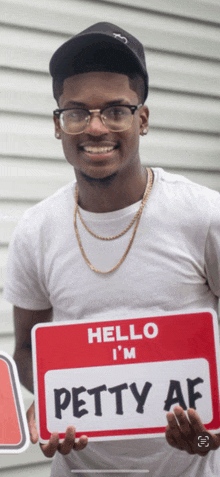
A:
x: 131, y: 396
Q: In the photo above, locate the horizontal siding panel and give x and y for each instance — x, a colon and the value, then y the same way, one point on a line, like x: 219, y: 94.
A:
x: 6, y: 229
x: 35, y: 168
x: 181, y: 73
x: 27, y: 123
x: 29, y: 145
x: 10, y: 214
x: 28, y: 136
x: 24, y: 100
x: 13, y: 211
x: 207, y: 179
x: 7, y: 345
x: 160, y: 32
x: 175, y: 111
x: 24, y: 179
x: 202, y: 10
x: 6, y: 319
x: 169, y: 109
x: 160, y: 145
x: 3, y: 263
x: 42, y: 468
x: 26, y: 49
x: 164, y: 148
x: 39, y: 188
x: 36, y: 189
x: 28, y: 91
x: 17, y: 81
x: 41, y: 192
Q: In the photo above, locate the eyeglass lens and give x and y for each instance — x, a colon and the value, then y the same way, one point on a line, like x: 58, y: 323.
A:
x: 115, y: 118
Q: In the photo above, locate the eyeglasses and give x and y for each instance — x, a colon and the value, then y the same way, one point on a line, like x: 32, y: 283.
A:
x: 115, y: 118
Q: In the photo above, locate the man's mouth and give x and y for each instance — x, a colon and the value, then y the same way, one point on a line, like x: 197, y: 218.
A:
x: 98, y: 149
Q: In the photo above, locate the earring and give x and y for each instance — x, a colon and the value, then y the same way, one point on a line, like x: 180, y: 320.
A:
x: 145, y: 131
x: 57, y: 135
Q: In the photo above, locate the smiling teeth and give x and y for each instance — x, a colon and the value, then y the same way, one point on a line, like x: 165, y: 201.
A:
x: 98, y: 150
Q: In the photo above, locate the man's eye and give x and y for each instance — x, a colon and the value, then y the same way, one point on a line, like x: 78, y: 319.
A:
x: 117, y: 112
x: 76, y: 115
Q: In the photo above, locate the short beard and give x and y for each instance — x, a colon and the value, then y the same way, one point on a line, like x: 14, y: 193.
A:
x: 103, y: 182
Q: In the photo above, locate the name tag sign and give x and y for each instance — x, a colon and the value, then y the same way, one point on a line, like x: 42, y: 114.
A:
x: 116, y: 379
x: 14, y: 435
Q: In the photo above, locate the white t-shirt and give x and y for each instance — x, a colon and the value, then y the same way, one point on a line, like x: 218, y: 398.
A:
x: 173, y: 264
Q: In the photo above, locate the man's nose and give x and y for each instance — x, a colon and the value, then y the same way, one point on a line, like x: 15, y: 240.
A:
x: 96, y: 127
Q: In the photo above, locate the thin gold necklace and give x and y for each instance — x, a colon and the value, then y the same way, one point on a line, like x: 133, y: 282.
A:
x: 136, y: 218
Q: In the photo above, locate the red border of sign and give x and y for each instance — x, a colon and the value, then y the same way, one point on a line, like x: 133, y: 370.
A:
x: 22, y: 445
x: 203, y: 326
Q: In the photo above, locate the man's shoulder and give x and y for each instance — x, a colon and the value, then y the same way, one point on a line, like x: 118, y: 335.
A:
x: 49, y: 209
x: 184, y: 187
x: 55, y: 200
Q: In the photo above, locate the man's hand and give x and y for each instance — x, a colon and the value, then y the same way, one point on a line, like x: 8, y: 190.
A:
x: 54, y: 445
x: 182, y: 433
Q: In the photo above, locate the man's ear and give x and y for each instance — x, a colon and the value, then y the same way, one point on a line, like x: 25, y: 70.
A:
x: 57, y: 127
x: 144, y: 119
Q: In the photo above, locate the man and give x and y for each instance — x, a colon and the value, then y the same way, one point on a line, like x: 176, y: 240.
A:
x: 162, y: 252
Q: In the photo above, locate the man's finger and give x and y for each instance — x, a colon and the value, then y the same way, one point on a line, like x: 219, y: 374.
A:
x: 33, y: 433
x: 69, y: 441
x: 170, y: 438
x: 173, y: 426
x: 66, y: 446
x: 195, y: 421
x: 82, y: 442
x: 32, y: 424
x: 51, y: 447
x: 186, y: 430
x: 183, y: 421
x: 183, y: 442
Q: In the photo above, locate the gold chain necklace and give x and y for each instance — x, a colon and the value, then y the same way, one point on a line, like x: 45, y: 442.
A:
x: 136, y: 218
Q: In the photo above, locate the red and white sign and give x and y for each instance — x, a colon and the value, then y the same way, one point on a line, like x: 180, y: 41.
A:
x: 14, y: 435
x: 115, y: 379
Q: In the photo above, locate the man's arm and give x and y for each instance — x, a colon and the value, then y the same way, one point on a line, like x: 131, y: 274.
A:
x: 24, y: 320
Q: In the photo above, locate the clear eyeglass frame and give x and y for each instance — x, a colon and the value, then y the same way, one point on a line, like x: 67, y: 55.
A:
x: 133, y: 108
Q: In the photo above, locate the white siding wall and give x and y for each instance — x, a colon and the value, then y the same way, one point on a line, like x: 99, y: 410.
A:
x: 182, y: 44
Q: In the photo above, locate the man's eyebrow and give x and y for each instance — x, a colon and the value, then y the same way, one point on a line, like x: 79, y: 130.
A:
x: 71, y: 103
x: 117, y: 101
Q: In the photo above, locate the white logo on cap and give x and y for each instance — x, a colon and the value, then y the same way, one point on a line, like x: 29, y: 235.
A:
x: 118, y: 35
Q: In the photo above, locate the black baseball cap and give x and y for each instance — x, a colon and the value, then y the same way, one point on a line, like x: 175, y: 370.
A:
x: 101, y: 47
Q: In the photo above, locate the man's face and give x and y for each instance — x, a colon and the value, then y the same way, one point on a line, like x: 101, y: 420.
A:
x: 96, y: 90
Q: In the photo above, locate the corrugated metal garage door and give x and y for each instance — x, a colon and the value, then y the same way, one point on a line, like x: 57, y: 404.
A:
x: 182, y: 44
